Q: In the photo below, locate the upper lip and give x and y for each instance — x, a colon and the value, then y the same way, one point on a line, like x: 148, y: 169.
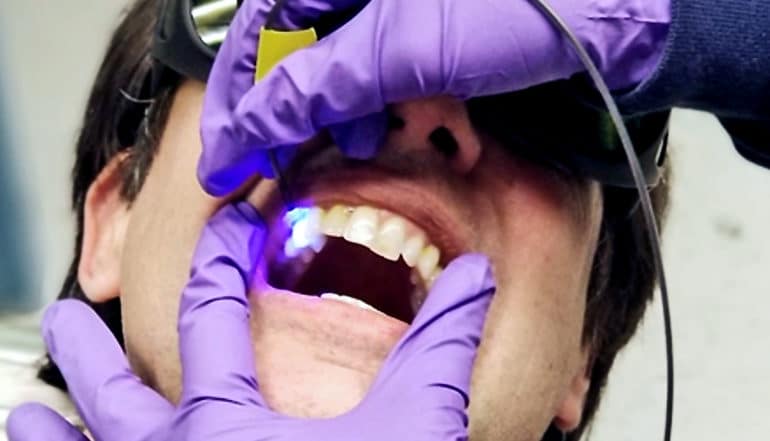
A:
x: 368, y: 184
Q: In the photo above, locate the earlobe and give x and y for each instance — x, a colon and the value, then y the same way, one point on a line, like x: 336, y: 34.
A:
x: 570, y: 411
x: 105, y: 219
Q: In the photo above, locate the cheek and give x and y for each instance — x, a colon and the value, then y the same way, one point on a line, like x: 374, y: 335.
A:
x: 529, y: 352
x: 531, y: 346
x: 166, y: 220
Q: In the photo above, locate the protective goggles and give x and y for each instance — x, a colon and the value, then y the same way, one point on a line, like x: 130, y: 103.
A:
x: 556, y: 123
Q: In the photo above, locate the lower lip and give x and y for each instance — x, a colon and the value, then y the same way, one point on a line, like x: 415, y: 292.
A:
x: 317, y: 357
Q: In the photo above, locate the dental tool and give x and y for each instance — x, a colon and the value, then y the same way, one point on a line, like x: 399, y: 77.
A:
x: 283, y: 185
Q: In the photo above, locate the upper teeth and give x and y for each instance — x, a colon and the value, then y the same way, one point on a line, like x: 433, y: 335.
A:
x: 383, y: 232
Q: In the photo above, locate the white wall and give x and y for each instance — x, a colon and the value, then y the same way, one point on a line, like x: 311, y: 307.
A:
x: 717, y: 255
x: 717, y: 247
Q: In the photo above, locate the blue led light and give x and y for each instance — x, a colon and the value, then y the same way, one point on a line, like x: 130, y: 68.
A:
x: 300, y: 235
x: 295, y: 215
x: 298, y: 221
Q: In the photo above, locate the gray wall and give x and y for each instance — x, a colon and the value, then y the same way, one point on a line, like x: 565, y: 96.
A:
x: 50, y: 52
x: 18, y: 288
x: 717, y: 256
x: 717, y: 247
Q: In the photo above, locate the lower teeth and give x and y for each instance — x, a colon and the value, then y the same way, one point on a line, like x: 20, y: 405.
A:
x: 349, y: 300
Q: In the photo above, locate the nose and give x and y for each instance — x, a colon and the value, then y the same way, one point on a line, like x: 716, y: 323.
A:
x: 439, y: 125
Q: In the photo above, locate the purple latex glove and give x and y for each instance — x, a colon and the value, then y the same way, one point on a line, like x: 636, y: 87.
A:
x: 421, y: 393
x: 395, y: 50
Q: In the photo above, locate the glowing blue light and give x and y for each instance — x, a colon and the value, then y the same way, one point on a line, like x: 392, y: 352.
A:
x: 295, y: 215
x: 300, y: 235
x: 298, y: 220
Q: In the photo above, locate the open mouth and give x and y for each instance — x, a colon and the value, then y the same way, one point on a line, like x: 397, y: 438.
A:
x: 365, y: 256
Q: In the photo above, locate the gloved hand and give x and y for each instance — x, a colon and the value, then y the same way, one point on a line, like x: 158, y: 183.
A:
x: 395, y: 50
x: 421, y: 393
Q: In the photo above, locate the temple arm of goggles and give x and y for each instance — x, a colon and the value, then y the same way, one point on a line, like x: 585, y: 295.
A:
x: 551, y: 120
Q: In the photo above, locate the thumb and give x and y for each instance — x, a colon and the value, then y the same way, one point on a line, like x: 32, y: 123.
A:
x: 361, y: 138
x: 36, y: 422
x: 435, y: 357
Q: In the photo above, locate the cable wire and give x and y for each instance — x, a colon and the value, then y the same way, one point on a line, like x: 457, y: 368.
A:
x: 636, y: 171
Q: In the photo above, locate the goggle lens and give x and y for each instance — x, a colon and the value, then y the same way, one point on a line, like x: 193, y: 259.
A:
x: 211, y: 19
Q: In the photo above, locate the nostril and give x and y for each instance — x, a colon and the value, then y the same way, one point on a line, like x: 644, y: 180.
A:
x: 395, y: 122
x: 444, y: 141
x: 439, y: 125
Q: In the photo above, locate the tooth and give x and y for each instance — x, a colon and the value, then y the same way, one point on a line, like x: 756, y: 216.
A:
x: 416, y: 299
x: 306, y: 255
x: 334, y: 221
x: 306, y: 227
x: 348, y: 300
x: 415, y: 278
x: 318, y: 243
x: 412, y: 249
x: 362, y: 226
x: 432, y: 279
x: 427, y: 262
x: 390, y: 239
x: 289, y: 250
x: 314, y: 223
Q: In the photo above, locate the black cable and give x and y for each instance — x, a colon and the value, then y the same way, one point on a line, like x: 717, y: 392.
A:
x: 636, y: 171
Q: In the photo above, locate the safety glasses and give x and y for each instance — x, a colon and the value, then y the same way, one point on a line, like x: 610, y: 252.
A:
x: 560, y: 125
x: 552, y: 123
x: 188, y: 36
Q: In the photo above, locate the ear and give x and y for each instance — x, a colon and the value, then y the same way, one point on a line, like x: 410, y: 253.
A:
x: 105, y: 218
x: 570, y: 410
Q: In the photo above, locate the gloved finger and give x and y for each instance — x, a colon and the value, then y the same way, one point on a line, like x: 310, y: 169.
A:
x: 112, y: 401
x: 36, y: 422
x: 231, y: 76
x: 214, y: 337
x: 332, y: 82
x: 435, y: 357
x: 234, y: 66
x: 226, y: 162
x: 304, y: 14
x: 362, y: 137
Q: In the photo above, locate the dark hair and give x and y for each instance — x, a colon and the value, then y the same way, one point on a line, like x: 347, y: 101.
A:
x: 110, y: 109
x: 622, y: 283
x: 623, y: 277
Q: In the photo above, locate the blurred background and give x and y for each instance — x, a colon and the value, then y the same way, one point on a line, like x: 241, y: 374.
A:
x: 717, y: 242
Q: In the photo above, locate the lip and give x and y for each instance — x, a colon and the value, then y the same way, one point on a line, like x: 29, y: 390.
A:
x: 320, y: 175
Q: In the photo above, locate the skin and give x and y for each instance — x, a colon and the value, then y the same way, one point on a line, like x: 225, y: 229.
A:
x: 316, y: 358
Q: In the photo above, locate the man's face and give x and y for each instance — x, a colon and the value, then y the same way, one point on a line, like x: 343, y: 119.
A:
x: 316, y: 358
